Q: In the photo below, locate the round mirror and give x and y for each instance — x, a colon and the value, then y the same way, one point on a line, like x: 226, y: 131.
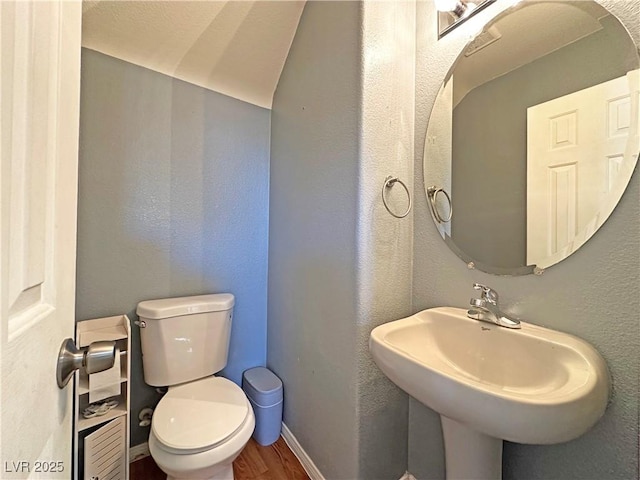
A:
x: 534, y: 135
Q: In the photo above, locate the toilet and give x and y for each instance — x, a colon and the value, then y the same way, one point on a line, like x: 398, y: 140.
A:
x: 203, y: 422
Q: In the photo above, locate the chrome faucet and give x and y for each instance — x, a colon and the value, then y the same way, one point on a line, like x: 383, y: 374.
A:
x: 486, y: 308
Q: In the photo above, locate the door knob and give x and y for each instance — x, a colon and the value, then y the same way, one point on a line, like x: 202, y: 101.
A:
x: 97, y: 357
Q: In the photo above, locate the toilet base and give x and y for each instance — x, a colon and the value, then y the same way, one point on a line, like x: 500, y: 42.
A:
x: 214, y: 464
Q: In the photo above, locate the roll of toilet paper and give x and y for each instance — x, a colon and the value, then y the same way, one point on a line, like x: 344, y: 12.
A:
x: 105, y: 384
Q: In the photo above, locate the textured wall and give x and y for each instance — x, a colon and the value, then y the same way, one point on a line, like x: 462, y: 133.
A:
x: 338, y: 263
x: 593, y: 294
x: 312, y: 235
x: 384, y: 242
x: 173, y: 200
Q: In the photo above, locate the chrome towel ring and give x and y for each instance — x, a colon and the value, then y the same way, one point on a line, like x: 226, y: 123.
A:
x: 432, y: 193
x: 388, y: 183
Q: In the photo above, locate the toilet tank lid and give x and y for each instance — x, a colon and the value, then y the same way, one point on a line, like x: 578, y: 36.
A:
x: 173, y: 307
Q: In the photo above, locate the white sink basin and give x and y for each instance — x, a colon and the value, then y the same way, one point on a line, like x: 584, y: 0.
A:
x: 531, y: 385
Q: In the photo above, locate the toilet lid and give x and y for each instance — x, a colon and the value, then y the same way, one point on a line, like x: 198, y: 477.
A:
x: 199, y: 415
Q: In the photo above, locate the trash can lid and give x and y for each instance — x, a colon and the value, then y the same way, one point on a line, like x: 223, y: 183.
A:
x: 263, y: 379
x: 262, y: 385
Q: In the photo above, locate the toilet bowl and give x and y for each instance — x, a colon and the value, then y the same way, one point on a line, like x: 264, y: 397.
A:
x: 199, y: 428
x: 203, y: 422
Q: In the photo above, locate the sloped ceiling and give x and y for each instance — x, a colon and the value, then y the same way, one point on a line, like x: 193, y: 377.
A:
x: 236, y: 48
x: 526, y: 34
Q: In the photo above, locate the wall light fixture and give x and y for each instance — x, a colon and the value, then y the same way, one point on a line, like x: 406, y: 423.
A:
x: 452, y: 13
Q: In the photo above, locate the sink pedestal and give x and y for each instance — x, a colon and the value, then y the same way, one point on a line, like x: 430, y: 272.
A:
x: 470, y: 454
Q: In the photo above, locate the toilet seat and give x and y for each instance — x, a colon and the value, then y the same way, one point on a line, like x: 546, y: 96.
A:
x: 199, y: 416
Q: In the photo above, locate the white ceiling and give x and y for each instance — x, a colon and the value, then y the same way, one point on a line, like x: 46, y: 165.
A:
x: 236, y: 48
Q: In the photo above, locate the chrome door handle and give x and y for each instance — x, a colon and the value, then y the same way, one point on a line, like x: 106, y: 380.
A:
x: 97, y: 357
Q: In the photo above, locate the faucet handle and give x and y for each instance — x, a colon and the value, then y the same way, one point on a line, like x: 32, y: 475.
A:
x: 488, y: 293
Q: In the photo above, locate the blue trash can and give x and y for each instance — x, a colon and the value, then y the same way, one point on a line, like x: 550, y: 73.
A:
x: 264, y: 391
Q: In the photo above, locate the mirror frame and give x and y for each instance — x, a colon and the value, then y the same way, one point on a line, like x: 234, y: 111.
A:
x: 471, y: 262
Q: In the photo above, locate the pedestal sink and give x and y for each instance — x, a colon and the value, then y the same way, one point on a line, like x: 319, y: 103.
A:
x: 489, y: 383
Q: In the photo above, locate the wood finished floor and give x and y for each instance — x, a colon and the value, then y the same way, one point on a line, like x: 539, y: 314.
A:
x: 275, y: 462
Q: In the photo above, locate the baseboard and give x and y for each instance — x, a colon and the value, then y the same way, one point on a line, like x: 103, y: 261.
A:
x: 298, y: 451
x: 305, y: 460
x: 138, y: 452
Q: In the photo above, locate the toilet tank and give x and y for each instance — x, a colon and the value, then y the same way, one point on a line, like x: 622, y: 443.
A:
x: 184, y: 338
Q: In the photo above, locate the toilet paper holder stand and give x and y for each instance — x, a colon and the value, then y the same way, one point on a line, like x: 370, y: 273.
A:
x: 97, y: 357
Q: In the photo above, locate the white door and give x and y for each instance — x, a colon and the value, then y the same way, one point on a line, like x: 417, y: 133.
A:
x: 581, y: 151
x: 39, y: 104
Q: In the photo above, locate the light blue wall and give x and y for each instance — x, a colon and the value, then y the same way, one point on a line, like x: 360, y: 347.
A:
x: 312, y: 244
x: 593, y: 294
x: 173, y: 200
x: 339, y: 264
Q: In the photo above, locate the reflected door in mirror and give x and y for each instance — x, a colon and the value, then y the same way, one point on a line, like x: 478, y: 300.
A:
x: 576, y: 148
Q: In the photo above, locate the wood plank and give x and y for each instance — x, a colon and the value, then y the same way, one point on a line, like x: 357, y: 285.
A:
x: 250, y: 464
x: 146, y: 469
x: 255, y: 462
x: 287, y: 461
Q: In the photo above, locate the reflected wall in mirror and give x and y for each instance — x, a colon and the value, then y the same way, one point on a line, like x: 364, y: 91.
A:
x: 534, y: 134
